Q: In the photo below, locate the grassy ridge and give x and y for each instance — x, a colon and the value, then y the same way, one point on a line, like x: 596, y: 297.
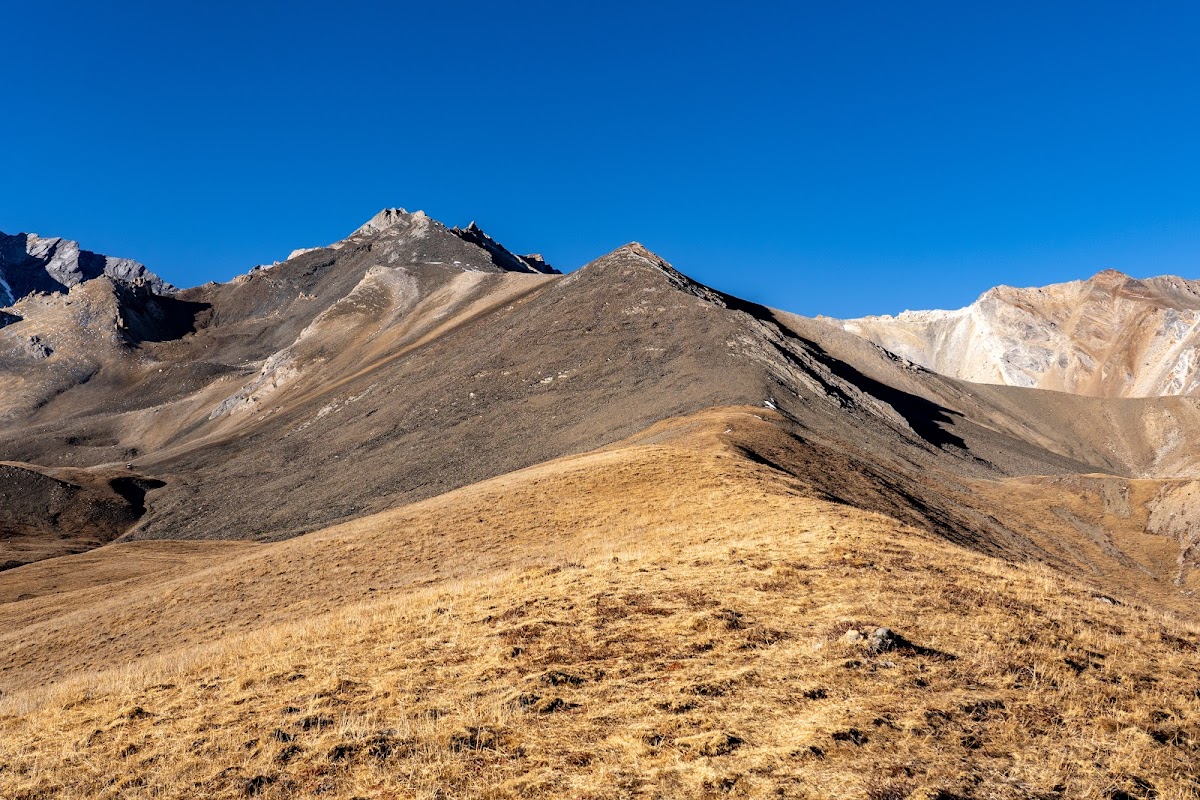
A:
x: 677, y: 627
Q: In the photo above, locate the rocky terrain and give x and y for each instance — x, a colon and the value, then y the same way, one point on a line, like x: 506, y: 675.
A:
x: 30, y: 263
x: 1108, y: 336
x: 561, y: 473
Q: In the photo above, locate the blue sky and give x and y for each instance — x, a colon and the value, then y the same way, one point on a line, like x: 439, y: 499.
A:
x: 836, y: 158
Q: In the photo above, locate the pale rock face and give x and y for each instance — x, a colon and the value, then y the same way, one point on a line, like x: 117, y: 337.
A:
x: 1108, y: 336
x: 395, y: 221
x: 388, y: 218
x: 30, y: 263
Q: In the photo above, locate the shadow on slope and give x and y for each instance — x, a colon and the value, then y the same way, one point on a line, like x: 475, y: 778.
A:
x: 927, y: 419
x: 48, y: 513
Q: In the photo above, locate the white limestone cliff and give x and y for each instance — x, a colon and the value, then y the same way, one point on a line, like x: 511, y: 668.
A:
x: 1111, y: 335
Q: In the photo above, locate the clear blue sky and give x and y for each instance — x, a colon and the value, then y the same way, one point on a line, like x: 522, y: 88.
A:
x: 837, y: 158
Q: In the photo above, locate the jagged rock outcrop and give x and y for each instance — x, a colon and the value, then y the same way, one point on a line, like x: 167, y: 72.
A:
x: 1108, y: 336
x: 503, y: 258
x: 30, y: 263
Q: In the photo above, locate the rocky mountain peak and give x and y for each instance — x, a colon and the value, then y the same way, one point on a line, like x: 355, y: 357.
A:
x: 635, y: 264
x: 399, y: 236
x: 1109, y: 275
x: 627, y: 256
x: 388, y: 218
x: 1112, y: 279
x: 639, y: 250
x: 30, y: 263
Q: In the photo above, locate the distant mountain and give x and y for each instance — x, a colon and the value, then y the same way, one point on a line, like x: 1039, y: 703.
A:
x: 30, y: 263
x: 1108, y: 336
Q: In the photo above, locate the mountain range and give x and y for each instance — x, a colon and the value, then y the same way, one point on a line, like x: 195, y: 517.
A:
x: 616, y: 498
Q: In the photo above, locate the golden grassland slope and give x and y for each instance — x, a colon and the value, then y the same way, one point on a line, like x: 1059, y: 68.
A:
x: 668, y: 617
x: 98, y: 618
x: 506, y: 523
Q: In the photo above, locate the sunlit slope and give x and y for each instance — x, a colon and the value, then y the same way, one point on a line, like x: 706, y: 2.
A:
x: 678, y: 480
x: 667, y: 617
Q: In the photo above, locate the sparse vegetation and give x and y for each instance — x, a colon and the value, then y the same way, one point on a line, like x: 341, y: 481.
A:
x: 673, y: 625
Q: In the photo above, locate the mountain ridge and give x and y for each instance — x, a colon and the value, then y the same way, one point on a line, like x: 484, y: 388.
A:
x: 1108, y: 335
x: 407, y: 338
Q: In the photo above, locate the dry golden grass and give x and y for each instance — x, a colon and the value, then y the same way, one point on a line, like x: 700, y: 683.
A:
x: 1134, y: 537
x: 586, y: 506
x: 664, y: 619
